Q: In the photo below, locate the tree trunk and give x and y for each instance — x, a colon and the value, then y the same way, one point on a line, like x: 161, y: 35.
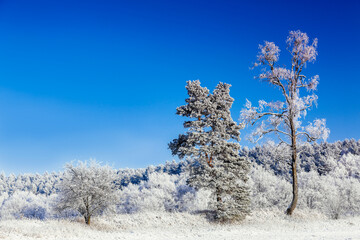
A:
x: 87, y: 220
x: 218, y: 194
x: 219, y: 206
x: 292, y: 206
x: 87, y: 213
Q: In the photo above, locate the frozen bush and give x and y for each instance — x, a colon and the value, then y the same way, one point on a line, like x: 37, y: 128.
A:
x: 268, y: 190
x: 311, y: 190
x: 334, y: 194
x: 156, y: 194
x: 162, y: 192
x: 23, y: 204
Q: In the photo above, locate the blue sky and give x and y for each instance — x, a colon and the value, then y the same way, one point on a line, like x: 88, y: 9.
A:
x: 102, y: 79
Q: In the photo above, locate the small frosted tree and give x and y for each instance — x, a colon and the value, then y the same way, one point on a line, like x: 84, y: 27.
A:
x: 87, y: 188
x: 211, y: 143
x: 283, y: 118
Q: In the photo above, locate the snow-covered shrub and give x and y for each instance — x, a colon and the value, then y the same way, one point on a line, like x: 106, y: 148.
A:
x: 155, y: 194
x: 188, y: 199
x: 343, y: 195
x: 334, y: 194
x: 311, y: 190
x: 320, y: 193
x: 24, y: 204
x: 268, y: 190
x: 163, y: 188
x: 162, y: 192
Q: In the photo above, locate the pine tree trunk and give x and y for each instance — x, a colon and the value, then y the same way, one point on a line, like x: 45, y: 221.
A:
x: 219, y: 210
x: 218, y: 195
x: 292, y: 206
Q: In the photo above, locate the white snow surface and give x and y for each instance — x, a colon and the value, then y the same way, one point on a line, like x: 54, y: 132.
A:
x: 162, y: 225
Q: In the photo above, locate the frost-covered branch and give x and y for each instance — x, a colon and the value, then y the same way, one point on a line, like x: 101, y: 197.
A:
x: 287, y: 113
x: 318, y: 130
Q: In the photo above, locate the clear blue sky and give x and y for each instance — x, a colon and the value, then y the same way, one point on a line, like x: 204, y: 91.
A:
x: 102, y: 79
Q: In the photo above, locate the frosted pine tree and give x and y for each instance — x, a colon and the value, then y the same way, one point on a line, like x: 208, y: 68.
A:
x: 211, y: 143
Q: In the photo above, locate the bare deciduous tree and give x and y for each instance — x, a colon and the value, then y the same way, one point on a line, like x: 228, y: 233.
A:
x: 283, y: 118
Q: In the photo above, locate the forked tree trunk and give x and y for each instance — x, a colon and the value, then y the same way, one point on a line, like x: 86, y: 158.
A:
x: 292, y: 206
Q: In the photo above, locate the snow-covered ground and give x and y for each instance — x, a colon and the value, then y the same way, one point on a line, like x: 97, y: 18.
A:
x: 261, y: 225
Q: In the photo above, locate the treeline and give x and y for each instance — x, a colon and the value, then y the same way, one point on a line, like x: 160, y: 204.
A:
x: 46, y: 184
x: 322, y: 158
x: 329, y: 183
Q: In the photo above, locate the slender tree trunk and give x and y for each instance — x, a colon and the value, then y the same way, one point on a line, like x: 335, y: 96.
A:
x: 87, y: 220
x: 219, y: 205
x: 218, y: 194
x: 292, y: 206
x: 87, y: 214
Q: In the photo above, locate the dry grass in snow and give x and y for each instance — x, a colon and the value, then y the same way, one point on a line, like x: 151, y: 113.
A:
x: 261, y: 225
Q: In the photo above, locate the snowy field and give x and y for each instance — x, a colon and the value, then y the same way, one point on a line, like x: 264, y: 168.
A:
x: 162, y: 225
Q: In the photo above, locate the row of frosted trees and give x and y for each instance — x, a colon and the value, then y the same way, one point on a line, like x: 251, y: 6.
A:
x: 334, y: 193
x: 165, y: 188
x: 324, y: 159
